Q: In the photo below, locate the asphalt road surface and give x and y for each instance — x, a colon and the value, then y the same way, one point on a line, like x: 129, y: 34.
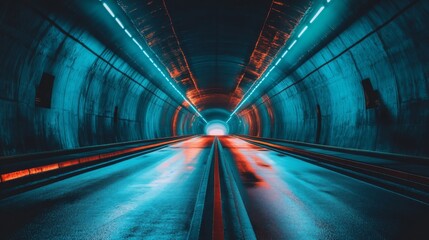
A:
x: 150, y: 197
x: 153, y: 196
x: 287, y: 198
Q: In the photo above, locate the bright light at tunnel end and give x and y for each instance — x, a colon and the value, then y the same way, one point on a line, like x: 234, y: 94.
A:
x: 254, y: 86
x: 216, y: 132
x: 216, y: 128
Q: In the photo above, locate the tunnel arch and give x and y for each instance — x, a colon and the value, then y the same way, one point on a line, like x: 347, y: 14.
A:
x: 97, y: 97
x: 104, y: 91
x: 385, y: 53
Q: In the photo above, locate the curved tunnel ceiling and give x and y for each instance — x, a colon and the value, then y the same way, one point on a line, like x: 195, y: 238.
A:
x: 215, y: 49
x: 357, y: 78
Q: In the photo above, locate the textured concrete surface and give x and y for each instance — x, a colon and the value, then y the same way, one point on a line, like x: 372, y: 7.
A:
x: 287, y: 198
x: 388, y: 46
x: 90, y: 82
x: 151, y: 196
x: 315, y: 96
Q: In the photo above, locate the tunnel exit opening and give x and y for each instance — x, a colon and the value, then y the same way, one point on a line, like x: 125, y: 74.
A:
x: 216, y: 128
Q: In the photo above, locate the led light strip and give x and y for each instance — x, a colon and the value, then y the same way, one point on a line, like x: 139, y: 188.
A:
x: 251, y: 91
x: 118, y: 21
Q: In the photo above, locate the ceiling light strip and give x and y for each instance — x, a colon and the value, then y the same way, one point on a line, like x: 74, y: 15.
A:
x: 112, y: 14
x: 266, y: 74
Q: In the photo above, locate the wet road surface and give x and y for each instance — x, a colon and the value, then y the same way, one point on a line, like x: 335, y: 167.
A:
x: 151, y: 197
x: 287, y: 198
x: 154, y: 196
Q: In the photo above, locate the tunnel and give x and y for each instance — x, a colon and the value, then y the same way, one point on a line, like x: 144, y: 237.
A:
x: 214, y: 119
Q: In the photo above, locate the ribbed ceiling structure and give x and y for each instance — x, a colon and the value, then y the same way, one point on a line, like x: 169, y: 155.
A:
x: 215, y: 49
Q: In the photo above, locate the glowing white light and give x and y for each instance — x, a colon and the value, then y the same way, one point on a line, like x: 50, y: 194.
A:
x: 128, y: 33
x: 216, y: 128
x: 151, y: 60
x: 293, y: 43
x: 284, y: 54
x: 302, y: 32
x: 216, y: 132
x: 137, y: 43
x: 108, y: 9
x: 317, y: 14
x: 251, y: 91
x: 119, y: 23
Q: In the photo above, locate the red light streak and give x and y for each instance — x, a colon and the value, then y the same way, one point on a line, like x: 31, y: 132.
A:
x: 175, y: 119
x: 238, y: 150
x: 217, y: 232
x: 260, y: 162
x: 41, y: 169
x: 252, y: 118
x: 267, y: 101
x: 191, y: 76
x: 212, y: 98
x: 50, y: 167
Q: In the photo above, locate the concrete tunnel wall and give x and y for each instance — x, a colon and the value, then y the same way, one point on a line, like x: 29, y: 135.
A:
x: 85, y: 92
x: 389, y: 46
x: 394, y: 57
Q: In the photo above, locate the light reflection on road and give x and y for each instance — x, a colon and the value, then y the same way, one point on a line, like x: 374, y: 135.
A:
x: 293, y: 199
x: 150, y: 196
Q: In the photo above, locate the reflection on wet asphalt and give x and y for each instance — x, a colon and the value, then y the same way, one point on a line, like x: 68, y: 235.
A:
x: 151, y: 196
x: 287, y: 198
